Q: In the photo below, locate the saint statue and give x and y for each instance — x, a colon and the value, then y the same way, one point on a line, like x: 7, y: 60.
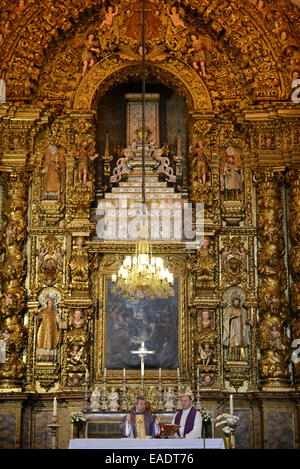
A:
x: 204, y: 338
x: 113, y: 400
x: 77, y: 339
x: 236, y: 330
x: 232, y: 178
x: 52, y: 171
x: 84, y: 158
x: 200, y: 168
x: 169, y: 398
x: 95, y: 400
x: 48, y: 334
x: 79, y: 266
x: 203, y: 267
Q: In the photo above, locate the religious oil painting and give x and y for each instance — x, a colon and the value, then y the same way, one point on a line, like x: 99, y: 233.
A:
x: 128, y: 322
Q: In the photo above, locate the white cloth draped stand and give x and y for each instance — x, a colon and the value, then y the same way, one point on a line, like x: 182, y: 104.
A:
x: 153, y: 443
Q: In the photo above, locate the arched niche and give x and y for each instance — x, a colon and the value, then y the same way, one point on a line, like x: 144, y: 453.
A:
x: 112, y: 70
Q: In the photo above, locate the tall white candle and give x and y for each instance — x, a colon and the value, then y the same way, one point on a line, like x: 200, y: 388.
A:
x: 231, y: 403
x: 104, y: 373
x: 159, y: 373
x: 124, y: 373
x: 197, y: 373
x: 54, y: 407
x: 178, y: 373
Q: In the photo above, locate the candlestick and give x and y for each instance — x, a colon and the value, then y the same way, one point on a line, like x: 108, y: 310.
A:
x: 104, y: 373
x: 86, y: 406
x: 54, y: 407
x: 123, y: 398
x: 198, y: 402
x: 178, y: 374
x: 104, y: 405
x: 160, y: 403
x: 231, y: 404
x: 178, y: 392
x: 54, y: 426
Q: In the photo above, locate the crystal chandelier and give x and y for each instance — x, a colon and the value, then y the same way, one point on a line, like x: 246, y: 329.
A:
x: 143, y: 275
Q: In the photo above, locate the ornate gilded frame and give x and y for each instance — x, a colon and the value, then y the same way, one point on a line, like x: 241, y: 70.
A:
x: 109, y: 265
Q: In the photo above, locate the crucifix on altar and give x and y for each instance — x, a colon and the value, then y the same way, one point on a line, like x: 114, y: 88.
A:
x: 142, y: 352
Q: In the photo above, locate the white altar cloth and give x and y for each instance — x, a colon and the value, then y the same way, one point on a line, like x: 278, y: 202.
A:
x: 153, y: 443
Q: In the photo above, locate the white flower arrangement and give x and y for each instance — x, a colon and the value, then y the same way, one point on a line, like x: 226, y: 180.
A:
x: 77, y: 418
x: 206, y: 415
x: 228, y: 421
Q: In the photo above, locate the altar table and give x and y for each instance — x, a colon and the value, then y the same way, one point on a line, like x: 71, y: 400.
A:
x: 153, y: 443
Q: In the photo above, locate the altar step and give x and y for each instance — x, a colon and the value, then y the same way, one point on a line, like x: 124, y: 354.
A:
x: 136, y: 189
x: 138, y: 183
x: 137, y: 195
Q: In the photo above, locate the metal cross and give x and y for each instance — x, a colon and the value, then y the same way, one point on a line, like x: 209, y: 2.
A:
x: 142, y: 352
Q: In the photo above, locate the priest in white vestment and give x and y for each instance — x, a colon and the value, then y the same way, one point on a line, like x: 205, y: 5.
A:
x: 189, y: 419
x: 140, y: 423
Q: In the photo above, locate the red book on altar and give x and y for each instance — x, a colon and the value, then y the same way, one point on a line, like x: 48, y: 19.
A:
x: 168, y: 430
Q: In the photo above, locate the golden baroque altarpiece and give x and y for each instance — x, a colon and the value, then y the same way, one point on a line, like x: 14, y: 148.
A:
x: 234, y: 64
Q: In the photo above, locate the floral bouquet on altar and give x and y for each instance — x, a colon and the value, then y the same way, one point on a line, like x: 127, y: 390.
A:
x: 77, y: 418
x: 206, y: 415
x: 229, y: 422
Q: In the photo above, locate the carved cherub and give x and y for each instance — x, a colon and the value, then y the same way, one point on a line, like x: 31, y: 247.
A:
x: 10, y: 233
x: 199, y: 45
x: 206, y: 353
x: 21, y: 7
x: 59, y: 254
x: 75, y: 355
x: 176, y: 15
x: 243, y: 255
x: 109, y: 16
x: 89, y: 54
x: 7, y: 299
x: 276, y: 337
x: 272, y: 232
x: 224, y: 254
x: 41, y: 255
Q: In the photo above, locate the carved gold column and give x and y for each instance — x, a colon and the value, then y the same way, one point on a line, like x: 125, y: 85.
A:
x: 293, y: 178
x: 12, y: 274
x: 273, y: 340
